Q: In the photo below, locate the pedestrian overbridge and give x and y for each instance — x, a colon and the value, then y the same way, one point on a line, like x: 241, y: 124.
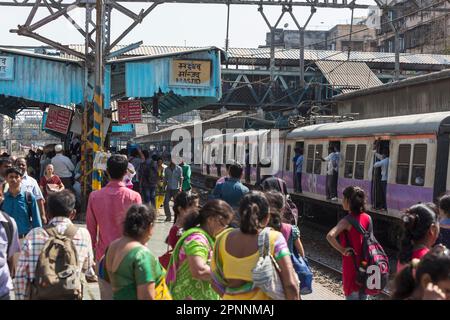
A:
x: 172, y: 83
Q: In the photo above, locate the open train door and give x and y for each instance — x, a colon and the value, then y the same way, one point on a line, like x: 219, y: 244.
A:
x: 379, y: 146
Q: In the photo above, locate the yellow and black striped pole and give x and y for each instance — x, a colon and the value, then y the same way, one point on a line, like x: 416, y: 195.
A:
x: 97, y: 135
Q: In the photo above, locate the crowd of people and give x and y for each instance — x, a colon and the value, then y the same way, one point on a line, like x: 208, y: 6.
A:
x: 240, y: 245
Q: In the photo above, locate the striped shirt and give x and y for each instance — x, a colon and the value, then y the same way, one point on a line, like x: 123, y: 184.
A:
x: 34, y: 243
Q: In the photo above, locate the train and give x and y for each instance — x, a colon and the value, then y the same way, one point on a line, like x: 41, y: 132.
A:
x: 418, y: 147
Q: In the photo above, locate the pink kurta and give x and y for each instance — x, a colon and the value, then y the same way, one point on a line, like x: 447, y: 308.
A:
x: 106, y: 212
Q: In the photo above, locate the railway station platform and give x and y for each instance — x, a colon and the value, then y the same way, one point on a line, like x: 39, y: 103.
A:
x: 157, y: 246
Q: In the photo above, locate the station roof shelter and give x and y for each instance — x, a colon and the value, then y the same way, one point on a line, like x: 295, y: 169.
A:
x: 181, y: 81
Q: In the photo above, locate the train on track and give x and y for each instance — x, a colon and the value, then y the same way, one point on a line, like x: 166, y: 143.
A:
x: 418, y: 147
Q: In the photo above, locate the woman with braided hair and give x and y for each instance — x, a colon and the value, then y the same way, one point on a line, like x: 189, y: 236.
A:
x: 420, y: 232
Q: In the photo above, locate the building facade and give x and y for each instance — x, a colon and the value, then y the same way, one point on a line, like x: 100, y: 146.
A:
x: 337, y: 38
x: 424, y: 28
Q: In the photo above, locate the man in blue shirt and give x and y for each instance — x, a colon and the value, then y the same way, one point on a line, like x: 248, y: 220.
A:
x: 298, y: 170
x: 9, y: 246
x: 383, y: 163
x: 232, y: 190
x: 294, y: 160
x: 24, y: 211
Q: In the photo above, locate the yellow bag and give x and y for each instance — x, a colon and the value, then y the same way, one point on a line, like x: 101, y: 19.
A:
x: 162, y: 291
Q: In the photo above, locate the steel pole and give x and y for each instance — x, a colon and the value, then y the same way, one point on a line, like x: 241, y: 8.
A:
x: 98, y: 92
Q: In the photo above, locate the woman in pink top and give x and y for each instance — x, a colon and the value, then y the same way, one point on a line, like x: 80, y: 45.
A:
x: 350, y: 241
x: 420, y: 232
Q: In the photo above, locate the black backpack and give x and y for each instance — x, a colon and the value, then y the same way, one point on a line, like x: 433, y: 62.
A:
x: 376, y: 260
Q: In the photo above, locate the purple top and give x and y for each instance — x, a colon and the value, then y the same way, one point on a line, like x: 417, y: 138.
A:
x: 6, y: 284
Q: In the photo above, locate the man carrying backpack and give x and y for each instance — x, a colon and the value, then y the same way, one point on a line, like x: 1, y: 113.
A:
x: 40, y: 276
x: 9, y: 245
x: 19, y: 204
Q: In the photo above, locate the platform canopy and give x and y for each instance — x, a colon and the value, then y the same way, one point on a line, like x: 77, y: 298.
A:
x: 177, y: 82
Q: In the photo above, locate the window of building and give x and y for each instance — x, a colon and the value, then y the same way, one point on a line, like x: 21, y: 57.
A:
x: 419, y: 165
x: 360, y: 160
x: 349, y: 161
x: 317, y: 161
x: 288, y: 157
x: 310, y: 159
x: 404, y: 157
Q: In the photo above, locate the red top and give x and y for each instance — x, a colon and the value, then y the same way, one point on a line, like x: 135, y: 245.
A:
x: 173, y: 236
x: 416, y: 254
x: 348, y: 265
x: 53, y: 180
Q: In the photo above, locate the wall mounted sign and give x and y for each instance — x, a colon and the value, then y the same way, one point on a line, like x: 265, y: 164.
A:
x: 58, y: 119
x: 191, y: 73
x: 130, y: 111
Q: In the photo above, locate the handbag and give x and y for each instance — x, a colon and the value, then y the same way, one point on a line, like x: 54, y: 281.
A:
x: 266, y: 272
x: 303, y: 271
x: 52, y: 188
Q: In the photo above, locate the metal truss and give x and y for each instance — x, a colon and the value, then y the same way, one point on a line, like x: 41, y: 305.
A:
x: 338, y: 4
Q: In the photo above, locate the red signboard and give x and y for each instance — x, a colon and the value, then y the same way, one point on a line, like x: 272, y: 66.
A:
x: 130, y: 111
x: 58, y: 119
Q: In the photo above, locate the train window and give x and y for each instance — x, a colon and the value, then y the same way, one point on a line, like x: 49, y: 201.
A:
x: 349, y: 161
x: 288, y: 157
x: 310, y: 159
x: 317, y: 161
x: 404, y: 157
x: 360, y: 159
x: 419, y: 165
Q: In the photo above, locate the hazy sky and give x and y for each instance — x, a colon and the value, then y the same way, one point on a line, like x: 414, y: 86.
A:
x: 180, y: 24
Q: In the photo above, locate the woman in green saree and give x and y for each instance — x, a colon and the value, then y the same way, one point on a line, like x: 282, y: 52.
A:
x: 189, y: 272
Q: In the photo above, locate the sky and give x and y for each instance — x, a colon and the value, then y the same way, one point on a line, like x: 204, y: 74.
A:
x: 180, y: 24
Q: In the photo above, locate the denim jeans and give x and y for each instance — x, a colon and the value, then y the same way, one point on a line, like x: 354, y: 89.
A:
x: 149, y: 194
x: 169, y: 195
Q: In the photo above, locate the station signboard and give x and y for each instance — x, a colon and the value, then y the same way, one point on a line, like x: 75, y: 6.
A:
x: 58, y: 119
x: 190, y: 73
x: 130, y: 111
x: 6, y: 68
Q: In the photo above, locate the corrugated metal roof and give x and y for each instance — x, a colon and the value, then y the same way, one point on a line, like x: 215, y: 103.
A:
x: 44, y: 79
x: 348, y: 76
x: 62, y: 58
x: 410, y: 124
x: 292, y: 54
x: 189, y: 124
x: 429, y: 78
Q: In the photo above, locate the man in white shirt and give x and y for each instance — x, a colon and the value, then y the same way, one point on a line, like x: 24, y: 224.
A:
x: 383, y: 163
x: 332, y: 173
x: 63, y: 167
x: 29, y: 184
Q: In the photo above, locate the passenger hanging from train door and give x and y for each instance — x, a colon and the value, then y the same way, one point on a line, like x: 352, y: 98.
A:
x: 383, y: 162
x: 332, y: 170
x: 298, y: 167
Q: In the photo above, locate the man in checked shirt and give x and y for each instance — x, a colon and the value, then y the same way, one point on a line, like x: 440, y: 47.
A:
x: 61, y: 209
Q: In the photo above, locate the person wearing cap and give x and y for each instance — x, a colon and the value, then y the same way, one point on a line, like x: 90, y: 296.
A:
x: 63, y: 166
